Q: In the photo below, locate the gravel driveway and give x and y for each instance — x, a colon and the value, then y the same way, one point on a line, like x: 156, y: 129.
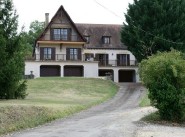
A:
x: 118, y: 117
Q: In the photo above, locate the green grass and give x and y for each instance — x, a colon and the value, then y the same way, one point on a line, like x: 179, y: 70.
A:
x: 145, y: 101
x: 52, y: 98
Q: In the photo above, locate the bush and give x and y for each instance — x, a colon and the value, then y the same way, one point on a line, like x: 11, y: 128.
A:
x: 164, y: 75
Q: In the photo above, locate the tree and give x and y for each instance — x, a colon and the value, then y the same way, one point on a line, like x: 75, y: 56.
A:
x: 12, y: 56
x: 154, y: 25
x: 164, y: 75
x: 28, y: 38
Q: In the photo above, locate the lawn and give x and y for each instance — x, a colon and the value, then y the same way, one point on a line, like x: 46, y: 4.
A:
x: 53, y: 98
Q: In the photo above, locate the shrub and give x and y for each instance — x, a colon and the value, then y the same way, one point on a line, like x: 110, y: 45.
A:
x: 164, y: 75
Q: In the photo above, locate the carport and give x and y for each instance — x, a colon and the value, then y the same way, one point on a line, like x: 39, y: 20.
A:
x: 127, y: 75
x: 106, y: 72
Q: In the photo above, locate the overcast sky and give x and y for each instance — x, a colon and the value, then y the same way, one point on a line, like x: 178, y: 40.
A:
x: 81, y: 11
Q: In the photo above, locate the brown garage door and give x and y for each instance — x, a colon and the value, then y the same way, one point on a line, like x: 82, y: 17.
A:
x: 127, y: 76
x: 74, y: 71
x: 49, y: 71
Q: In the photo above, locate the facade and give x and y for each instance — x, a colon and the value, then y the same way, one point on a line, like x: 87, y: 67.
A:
x: 83, y: 50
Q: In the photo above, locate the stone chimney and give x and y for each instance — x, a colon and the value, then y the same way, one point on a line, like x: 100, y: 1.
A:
x: 46, y: 19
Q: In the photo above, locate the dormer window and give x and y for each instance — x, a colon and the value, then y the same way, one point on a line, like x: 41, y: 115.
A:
x: 106, y: 39
x: 87, y: 39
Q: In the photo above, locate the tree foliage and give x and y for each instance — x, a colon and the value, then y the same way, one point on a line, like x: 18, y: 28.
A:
x: 164, y: 75
x: 12, y: 56
x: 28, y: 38
x: 154, y: 25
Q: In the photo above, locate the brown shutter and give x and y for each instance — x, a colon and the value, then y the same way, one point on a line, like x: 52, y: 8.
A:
x: 41, y: 53
x: 51, y: 34
x: 118, y: 59
x: 79, y: 54
x: 96, y: 57
x: 128, y: 59
x: 107, y: 59
x: 67, y: 53
x: 52, y: 53
x: 69, y: 34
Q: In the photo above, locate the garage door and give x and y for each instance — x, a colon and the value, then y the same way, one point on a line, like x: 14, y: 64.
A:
x: 127, y: 76
x: 49, y: 71
x: 74, y: 71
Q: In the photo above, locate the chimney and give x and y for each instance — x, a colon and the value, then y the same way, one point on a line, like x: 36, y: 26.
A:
x: 46, y: 19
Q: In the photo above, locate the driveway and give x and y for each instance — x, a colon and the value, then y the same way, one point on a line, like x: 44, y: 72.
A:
x: 118, y: 117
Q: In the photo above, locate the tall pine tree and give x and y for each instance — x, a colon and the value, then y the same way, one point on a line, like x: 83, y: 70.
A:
x: 12, y: 58
x: 154, y: 25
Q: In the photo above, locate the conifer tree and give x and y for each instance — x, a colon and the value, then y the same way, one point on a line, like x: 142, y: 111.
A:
x: 154, y: 25
x: 12, y: 57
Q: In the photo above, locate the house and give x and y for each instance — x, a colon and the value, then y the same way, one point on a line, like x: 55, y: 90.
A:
x: 84, y: 50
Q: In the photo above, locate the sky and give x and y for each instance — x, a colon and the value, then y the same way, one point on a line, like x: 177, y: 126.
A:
x: 80, y: 11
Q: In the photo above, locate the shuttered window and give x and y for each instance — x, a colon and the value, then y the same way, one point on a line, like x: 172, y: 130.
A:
x: 47, y: 53
x: 61, y: 34
x: 123, y: 59
x: 73, y: 53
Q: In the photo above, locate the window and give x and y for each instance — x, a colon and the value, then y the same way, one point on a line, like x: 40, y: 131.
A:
x: 106, y: 39
x: 87, y: 39
x: 47, y: 53
x: 73, y: 54
x: 123, y: 59
x: 56, y: 34
x: 64, y: 34
x: 61, y: 34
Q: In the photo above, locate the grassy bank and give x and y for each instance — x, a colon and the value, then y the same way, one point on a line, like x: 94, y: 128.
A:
x: 52, y: 98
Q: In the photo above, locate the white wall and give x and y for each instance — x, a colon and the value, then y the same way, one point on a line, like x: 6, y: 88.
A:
x: 112, y: 53
x: 57, y: 48
x: 90, y: 68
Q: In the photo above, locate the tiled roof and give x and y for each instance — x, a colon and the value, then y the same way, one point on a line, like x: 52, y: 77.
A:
x: 96, y: 31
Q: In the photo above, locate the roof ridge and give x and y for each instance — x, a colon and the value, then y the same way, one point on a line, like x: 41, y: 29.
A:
x: 99, y: 24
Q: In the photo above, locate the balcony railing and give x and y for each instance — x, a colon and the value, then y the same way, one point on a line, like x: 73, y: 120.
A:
x: 108, y: 63
x: 56, y: 57
x: 64, y: 57
x: 57, y: 37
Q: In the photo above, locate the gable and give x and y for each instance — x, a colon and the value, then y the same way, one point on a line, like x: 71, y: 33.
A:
x: 61, y: 20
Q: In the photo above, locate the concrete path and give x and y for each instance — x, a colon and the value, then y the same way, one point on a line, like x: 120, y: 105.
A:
x: 116, y: 118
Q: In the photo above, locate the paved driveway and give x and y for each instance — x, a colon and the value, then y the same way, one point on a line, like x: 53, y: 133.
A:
x: 115, y: 118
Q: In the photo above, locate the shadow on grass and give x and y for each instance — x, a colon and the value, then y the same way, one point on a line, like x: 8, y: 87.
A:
x: 154, y: 118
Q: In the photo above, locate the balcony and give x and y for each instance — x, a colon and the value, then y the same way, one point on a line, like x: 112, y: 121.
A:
x: 114, y: 63
x: 56, y: 57
x: 64, y: 57
x: 56, y: 37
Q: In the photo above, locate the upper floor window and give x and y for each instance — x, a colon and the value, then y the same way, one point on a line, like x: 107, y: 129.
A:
x: 73, y: 53
x: 87, y: 39
x: 61, y: 34
x: 47, y: 53
x: 106, y: 39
